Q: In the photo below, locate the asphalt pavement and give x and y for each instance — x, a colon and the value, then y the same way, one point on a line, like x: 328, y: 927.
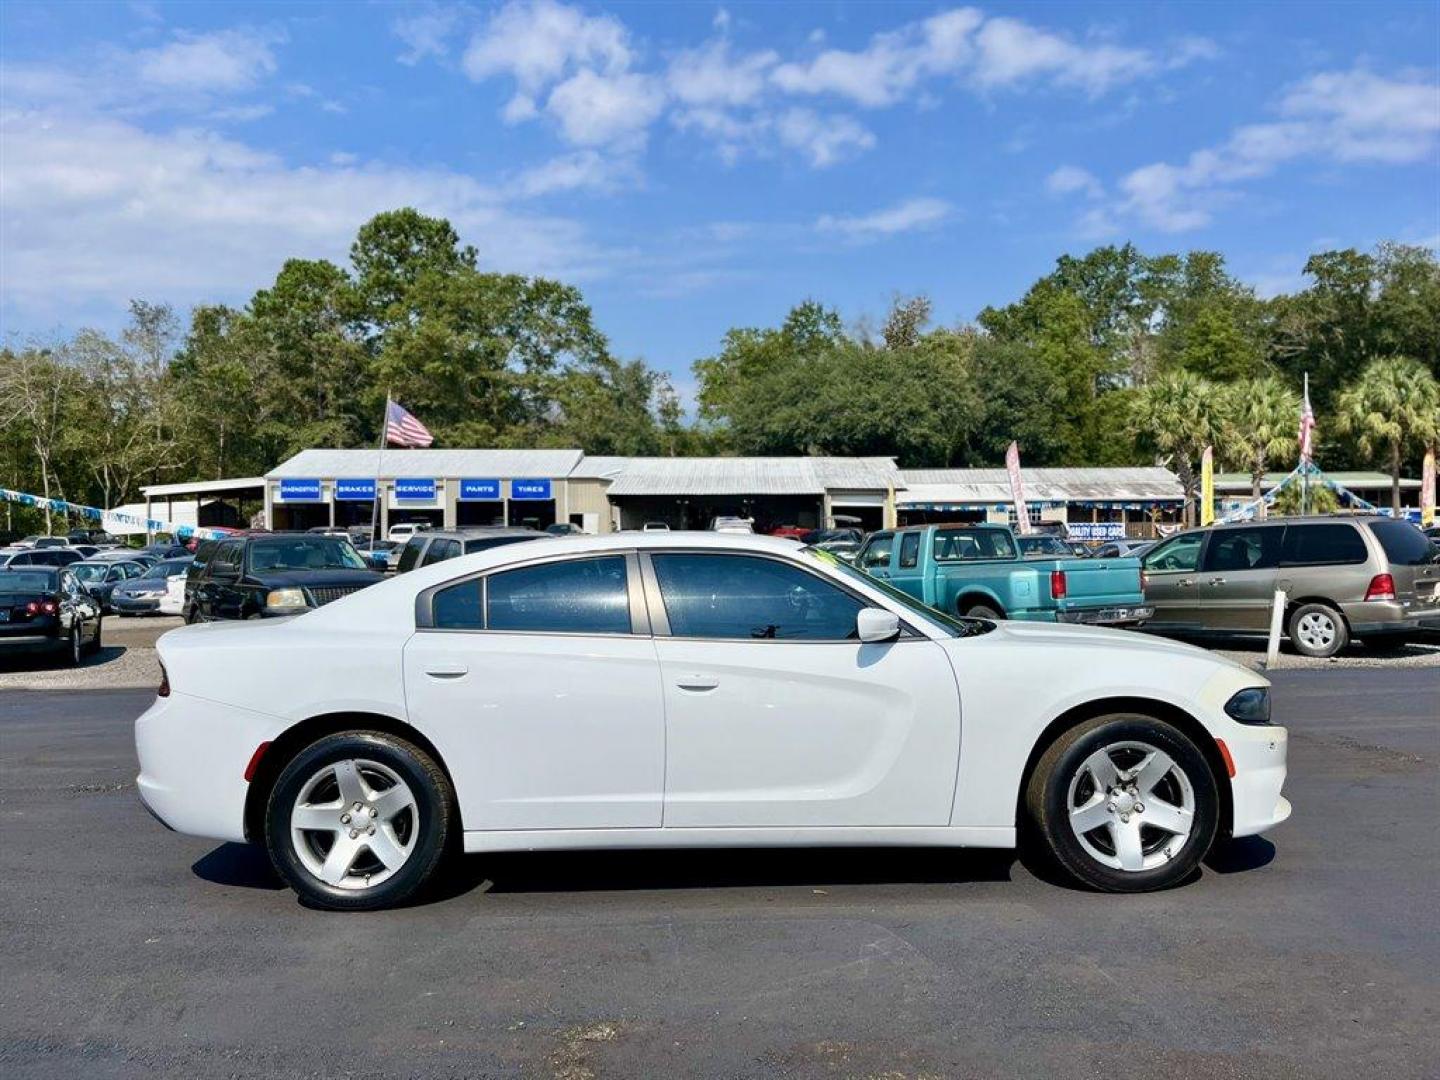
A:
x: 129, y: 951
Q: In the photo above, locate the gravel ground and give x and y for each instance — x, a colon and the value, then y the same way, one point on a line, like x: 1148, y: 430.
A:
x: 128, y: 659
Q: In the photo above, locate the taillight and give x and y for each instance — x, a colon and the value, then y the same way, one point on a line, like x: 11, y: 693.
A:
x: 164, y: 690
x: 1057, y: 584
x: 1382, y: 587
x: 41, y: 607
x: 1144, y: 580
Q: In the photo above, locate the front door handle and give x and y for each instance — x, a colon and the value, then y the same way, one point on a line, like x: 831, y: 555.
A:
x: 446, y: 671
x: 1216, y: 581
x: 1187, y: 583
x: 697, y: 684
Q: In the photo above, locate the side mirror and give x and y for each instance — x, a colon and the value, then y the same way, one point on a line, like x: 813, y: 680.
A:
x: 876, y: 624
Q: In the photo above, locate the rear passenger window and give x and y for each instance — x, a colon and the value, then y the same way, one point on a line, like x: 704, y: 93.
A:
x: 909, y: 550
x: 1322, y: 545
x: 458, y: 607
x: 583, y: 596
x: 440, y: 550
x: 410, y: 555
x: 1244, y: 549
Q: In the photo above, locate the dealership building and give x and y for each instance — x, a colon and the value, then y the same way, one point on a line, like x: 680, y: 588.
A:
x: 537, y: 488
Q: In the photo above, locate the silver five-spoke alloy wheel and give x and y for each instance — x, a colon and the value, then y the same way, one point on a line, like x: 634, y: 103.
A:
x: 1316, y: 630
x: 1131, y: 806
x: 354, y: 823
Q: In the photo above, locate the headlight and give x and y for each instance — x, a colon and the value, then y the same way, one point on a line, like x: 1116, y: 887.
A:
x: 1250, y: 706
x: 286, y: 601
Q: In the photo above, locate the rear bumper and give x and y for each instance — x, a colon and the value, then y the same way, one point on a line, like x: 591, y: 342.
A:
x: 14, y: 644
x: 1375, y: 617
x: 1110, y: 615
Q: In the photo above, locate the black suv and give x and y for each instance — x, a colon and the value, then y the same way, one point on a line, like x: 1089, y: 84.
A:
x: 274, y: 574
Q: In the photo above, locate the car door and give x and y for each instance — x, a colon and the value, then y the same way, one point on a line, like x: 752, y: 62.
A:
x: 1237, y: 577
x: 540, y: 688
x: 777, y: 716
x: 906, y: 572
x: 1171, y: 578
x: 217, y: 595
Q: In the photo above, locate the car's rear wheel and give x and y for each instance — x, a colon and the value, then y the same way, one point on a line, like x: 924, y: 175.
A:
x: 1318, y: 630
x: 1124, y: 803
x: 980, y: 611
x: 95, y: 641
x: 359, y: 821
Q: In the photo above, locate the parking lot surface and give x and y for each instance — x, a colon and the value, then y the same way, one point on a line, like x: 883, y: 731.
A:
x: 130, y: 951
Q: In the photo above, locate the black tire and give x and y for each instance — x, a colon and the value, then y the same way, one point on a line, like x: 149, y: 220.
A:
x: 1310, y: 623
x: 75, y: 650
x: 1047, y: 804
x: 982, y: 611
x: 434, y: 815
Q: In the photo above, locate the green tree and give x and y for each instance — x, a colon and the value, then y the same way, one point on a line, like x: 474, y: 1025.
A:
x: 1178, y: 416
x: 1393, y: 407
x: 1259, y: 421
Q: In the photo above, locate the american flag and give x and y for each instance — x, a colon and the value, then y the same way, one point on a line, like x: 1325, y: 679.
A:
x: 1307, y: 425
x: 402, y: 429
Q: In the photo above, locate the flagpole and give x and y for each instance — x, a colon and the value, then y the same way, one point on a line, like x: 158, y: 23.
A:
x: 379, y: 465
x: 1305, y: 460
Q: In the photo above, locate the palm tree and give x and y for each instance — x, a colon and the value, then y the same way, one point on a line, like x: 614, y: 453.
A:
x: 1259, y: 422
x: 1177, y: 414
x: 1394, y: 405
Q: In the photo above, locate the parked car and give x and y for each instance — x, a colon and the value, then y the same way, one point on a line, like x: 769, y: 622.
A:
x: 48, y: 542
x: 126, y: 555
x: 437, y: 545
x: 85, y: 551
x: 977, y: 570
x: 1044, y: 546
x: 402, y: 532
x: 45, y: 609
x: 166, y: 550
x: 377, y: 553
x: 1115, y: 549
x: 655, y: 526
x: 732, y: 525
x: 145, y: 593
x: 830, y: 536
x: 97, y: 537
x: 564, y: 528
x: 1371, y: 578
x: 272, y: 574
x: 101, y: 576
x: 693, y: 690
x: 51, y: 556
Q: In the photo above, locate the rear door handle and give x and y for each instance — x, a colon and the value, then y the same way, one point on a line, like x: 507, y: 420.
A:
x: 1187, y: 583
x: 697, y: 684
x: 446, y: 671
x: 1216, y: 581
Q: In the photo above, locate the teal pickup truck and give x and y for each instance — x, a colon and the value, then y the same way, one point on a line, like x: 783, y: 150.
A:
x: 978, y: 570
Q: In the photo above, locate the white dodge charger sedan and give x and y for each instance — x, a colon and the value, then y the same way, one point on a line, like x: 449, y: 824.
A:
x: 687, y: 689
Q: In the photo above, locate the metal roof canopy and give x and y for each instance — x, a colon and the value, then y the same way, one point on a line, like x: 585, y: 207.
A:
x: 992, y: 486
x: 1365, y: 480
x: 750, y: 475
x: 237, y: 486
x: 368, y: 464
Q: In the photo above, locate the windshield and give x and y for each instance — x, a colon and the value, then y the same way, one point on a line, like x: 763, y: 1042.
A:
x: 167, y: 569
x: 91, y: 572
x: 950, y: 625
x: 304, y: 553
x: 26, y: 582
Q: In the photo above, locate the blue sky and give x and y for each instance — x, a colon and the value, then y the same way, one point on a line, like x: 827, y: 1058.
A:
x: 696, y: 166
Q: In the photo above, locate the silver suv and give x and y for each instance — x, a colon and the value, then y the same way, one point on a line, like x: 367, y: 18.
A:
x: 1371, y: 578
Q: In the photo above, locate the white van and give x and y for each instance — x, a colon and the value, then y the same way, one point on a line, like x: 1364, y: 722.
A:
x: 401, y: 533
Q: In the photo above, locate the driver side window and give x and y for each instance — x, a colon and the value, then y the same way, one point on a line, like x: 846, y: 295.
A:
x: 877, y: 551
x: 750, y: 598
x: 1180, y: 554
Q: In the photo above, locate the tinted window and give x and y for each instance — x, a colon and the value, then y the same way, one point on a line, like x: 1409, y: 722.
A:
x: 877, y: 552
x: 1244, y: 549
x: 304, y: 553
x: 1404, y: 544
x: 953, y: 545
x: 458, y: 607
x: 1181, y: 553
x: 909, y: 550
x: 736, y: 596
x: 227, y: 558
x: 484, y: 543
x: 586, y: 596
x: 1322, y: 545
x: 22, y: 583
x: 440, y: 550
x: 410, y: 555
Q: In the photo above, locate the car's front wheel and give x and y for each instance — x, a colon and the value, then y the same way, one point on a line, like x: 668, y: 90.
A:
x: 359, y: 821
x: 1124, y: 803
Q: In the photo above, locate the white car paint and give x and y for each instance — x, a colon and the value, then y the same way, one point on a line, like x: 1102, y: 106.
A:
x: 603, y: 740
x: 173, y: 602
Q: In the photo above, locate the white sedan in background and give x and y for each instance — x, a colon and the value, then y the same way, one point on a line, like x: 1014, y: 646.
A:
x: 682, y: 690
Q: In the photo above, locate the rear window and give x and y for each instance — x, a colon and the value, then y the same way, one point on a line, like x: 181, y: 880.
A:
x: 20, y: 582
x: 410, y: 555
x: 1404, y: 544
x: 959, y: 546
x: 909, y: 550
x: 1322, y: 545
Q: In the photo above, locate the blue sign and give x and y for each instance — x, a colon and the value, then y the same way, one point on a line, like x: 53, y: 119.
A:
x: 1096, y: 530
x: 409, y: 487
x: 355, y: 490
x: 479, y: 489
x: 529, y: 489
x: 299, y: 490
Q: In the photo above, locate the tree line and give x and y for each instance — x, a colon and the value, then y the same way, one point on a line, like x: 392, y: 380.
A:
x: 1113, y: 358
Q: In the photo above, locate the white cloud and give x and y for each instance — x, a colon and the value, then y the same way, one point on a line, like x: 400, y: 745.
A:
x: 1345, y: 117
x: 909, y: 216
x: 596, y: 109
x: 1068, y: 179
x: 711, y: 76
x: 1009, y: 51
x: 537, y: 42
x: 824, y: 139
x: 95, y: 211
x: 227, y: 60
x: 425, y: 33
x: 242, y: 113
x: 584, y: 170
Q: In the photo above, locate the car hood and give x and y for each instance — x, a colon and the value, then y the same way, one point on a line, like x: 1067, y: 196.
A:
x: 1059, y: 634
x: 316, y: 579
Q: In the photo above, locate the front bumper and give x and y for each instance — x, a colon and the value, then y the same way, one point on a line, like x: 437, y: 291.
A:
x: 1114, y: 615
x: 193, y: 755
x: 1259, y: 754
x: 134, y: 605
